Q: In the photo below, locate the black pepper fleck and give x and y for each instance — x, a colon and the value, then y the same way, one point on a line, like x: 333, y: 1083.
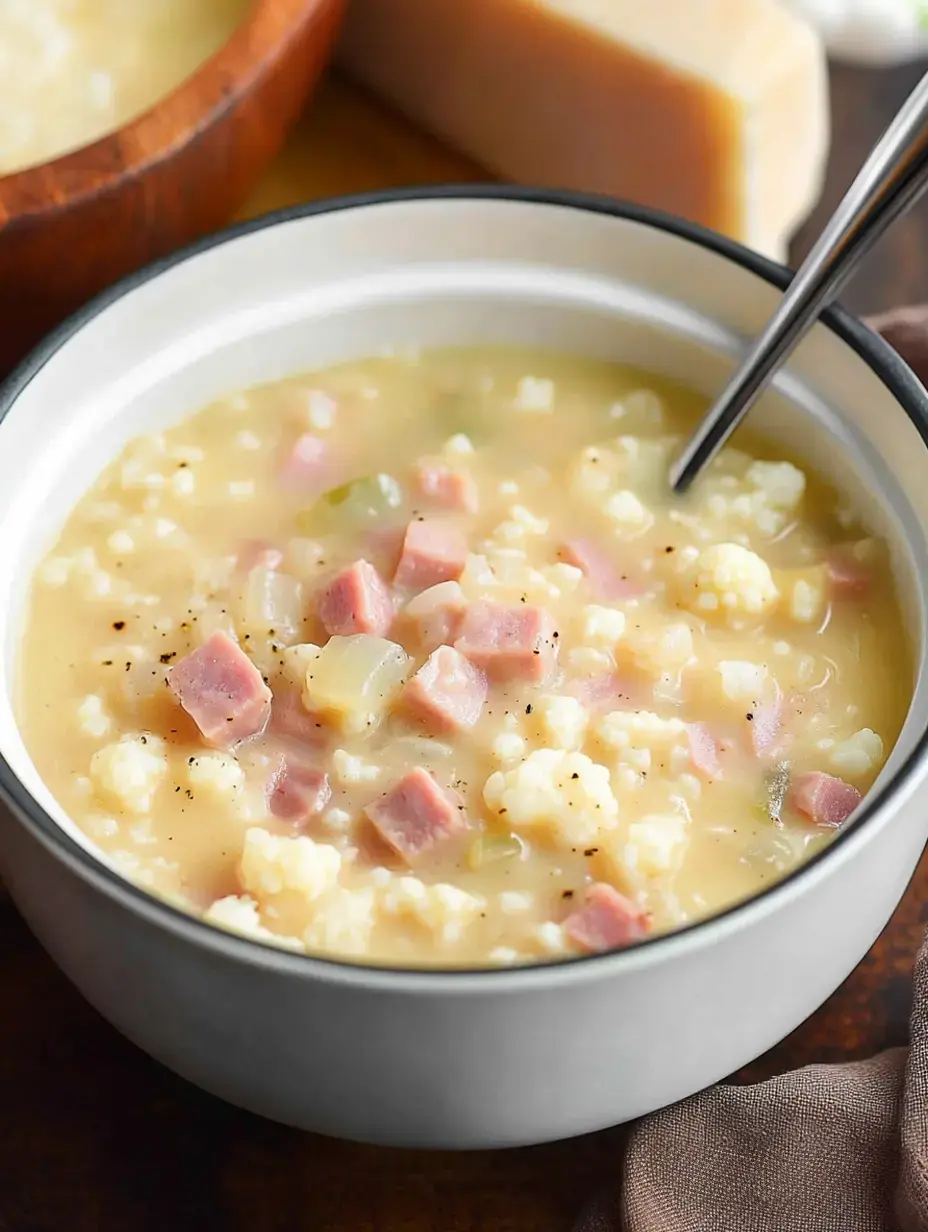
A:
x: 119, y: 624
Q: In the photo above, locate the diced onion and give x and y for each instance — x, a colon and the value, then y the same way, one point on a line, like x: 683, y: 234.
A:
x: 272, y: 604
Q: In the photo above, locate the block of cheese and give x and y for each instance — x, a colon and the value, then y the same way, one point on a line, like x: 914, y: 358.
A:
x: 716, y: 110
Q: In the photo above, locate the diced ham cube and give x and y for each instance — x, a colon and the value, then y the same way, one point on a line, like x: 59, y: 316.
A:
x: 448, y: 489
x: 433, y: 552
x: 384, y: 546
x: 297, y: 792
x: 356, y: 601
x: 436, y: 614
x: 291, y: 719
x: 415, y: 815
x: 704, y: 749
x: 508, y: 643
x: 822, y: 798
x: 606, y: 921
x: 447, y: 692
x: 222, y: 691
x: 307, y: 466
x: 605, y: 577
x: 258, y: 554
x: 765, y: 723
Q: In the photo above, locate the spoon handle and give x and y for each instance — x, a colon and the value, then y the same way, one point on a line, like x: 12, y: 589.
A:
x: 888, y: 184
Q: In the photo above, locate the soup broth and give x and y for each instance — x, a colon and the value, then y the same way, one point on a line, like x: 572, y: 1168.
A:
x: 72, y: 71
x: 416, y: 661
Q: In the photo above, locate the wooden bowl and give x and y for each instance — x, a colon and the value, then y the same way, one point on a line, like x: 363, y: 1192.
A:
x: 70, y: 227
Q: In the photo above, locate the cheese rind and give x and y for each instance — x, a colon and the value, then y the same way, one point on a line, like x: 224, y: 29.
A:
x: 716, y: 111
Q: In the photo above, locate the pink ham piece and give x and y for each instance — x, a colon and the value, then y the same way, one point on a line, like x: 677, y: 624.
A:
x: 765, y: 723
x: 606, y: 921
x: 848, y: 577
x: 822, y: 798
x: 258, y: 554
x: 439, y: 485
x: 508, y: 643
x: 415, y: 815
x: 384, y: 546
x: 222, y: 691
x: 307, y: 466
x: 436, y: 615
x: 433, y: 552
x: 704, y: 750
x: 356, y: 601
x: 297, y: 792
x: 290, y: 719
x: 606, y: 580
x: 447, y: 693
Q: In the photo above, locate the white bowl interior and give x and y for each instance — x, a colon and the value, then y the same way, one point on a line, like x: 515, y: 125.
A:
x: 320, y: 288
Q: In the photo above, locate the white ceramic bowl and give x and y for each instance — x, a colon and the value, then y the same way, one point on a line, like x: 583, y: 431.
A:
x: 431, y: 1058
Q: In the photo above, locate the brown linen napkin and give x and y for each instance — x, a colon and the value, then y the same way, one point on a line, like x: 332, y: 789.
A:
x: 829, y: 1148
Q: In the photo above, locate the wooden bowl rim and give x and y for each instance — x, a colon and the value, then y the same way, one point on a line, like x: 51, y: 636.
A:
x: 173, y: 120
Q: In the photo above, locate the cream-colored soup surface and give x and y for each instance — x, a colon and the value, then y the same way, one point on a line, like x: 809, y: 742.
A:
x: 517, y: 702
x: 73, y: 70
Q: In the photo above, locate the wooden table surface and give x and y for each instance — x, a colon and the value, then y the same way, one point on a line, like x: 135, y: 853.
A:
x: 95, y: 1137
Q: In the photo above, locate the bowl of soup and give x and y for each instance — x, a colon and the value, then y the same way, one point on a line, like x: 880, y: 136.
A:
x: 387, y: 750
x: 128, y: 129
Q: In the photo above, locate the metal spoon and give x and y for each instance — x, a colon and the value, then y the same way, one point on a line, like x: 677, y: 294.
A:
x: 887, y: 186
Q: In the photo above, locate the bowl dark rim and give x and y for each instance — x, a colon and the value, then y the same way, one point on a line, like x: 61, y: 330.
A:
x: 877, y: 354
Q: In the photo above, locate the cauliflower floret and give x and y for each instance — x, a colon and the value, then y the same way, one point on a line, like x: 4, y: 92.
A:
x: 859, y: 755
x: 741, y: 680
x: 130, y: 770
x: 805, y: 593
x: 549, y: 938
x: 296, y: 660
x: 343, y: 922
x: 634, y: 733
x: 351, y: 769
x: 271, y: 864
x: 782, y: 484
x: 92, y: 717
x: 764, y: 494
x: 601, y: 626
x: 732, y: 580
x: 520, y: 524
x: 627, y: 512
x: 239, y: 914
x: 659, y: 648
x: 562, y: 720
x: 655, y: 845
x: 508, y: 747
x: 534, y: 394
x: 564, y: 791
x: 219, y: 773
x: 444, y: 909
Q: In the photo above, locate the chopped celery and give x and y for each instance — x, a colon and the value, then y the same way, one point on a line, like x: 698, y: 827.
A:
x: 360, y: 502
x: 492, y: 848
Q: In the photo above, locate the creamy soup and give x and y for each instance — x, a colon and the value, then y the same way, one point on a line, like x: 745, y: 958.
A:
x: 73, y: 70
x: 417, y: 661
